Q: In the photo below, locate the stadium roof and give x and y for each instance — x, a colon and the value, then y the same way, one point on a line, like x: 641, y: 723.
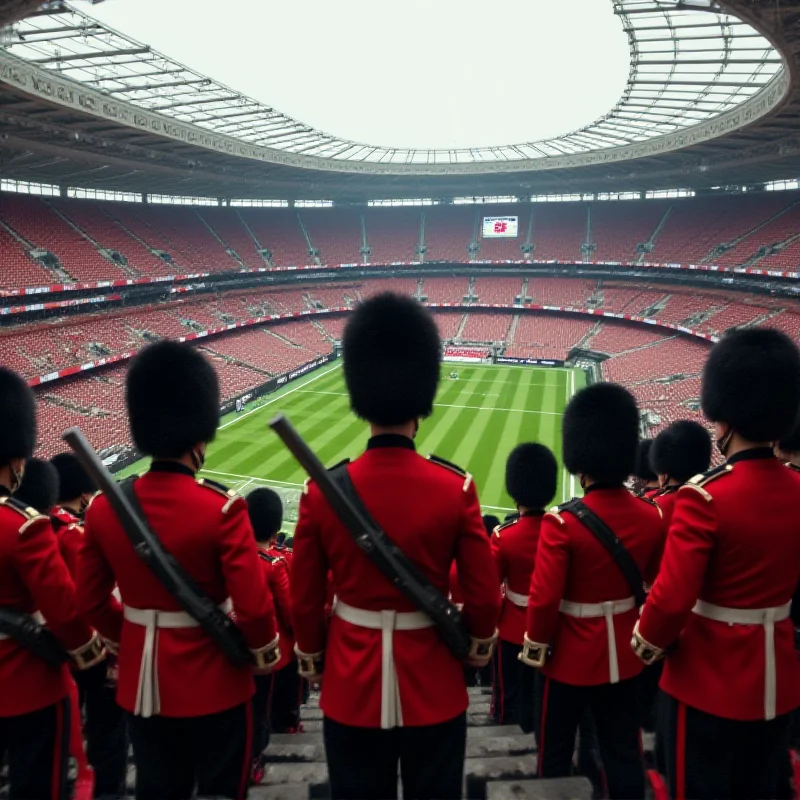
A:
x: 703, y: 75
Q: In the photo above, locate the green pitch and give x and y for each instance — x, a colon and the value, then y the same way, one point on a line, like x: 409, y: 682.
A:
x: 477, y: 420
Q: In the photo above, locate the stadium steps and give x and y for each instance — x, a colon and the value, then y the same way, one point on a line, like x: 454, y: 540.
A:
x: 237, y: 362
x: 131, y: 272
x: 593, y: 331
x: 461, y: 326
x: 650, y: 244
x: 259, y: 247
x: 767, y: 250
x: 745, y: 236
x: 286, y: 341
x: 312, y: 251
x: 228, y: 249
x: 59, y: 273
x: 643, y: 346
x: 512, y: 330
x: 139, y: 239
x: 322, y: 330
x: 501, y: 762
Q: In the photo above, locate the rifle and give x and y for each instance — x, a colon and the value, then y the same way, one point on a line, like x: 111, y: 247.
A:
x: 167, y: 570
x: 394, y: 564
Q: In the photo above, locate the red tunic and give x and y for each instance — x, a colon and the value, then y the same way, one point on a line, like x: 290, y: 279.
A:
x: 208, y: 531
x: 514, y: 548
x: 734, y: 541
x: 69, y: 532
x: 276, y: 575
x: 34, y: 577
x: 572, y: 565
x: 432, y: 513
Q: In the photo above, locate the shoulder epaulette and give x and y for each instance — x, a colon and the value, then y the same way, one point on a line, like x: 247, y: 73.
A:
x: 711, y: 475
x: 29, y: 514
x: 267, y: 557
x: 443, y: 462
x: 229, y: 494
x: 509, y: 523
x: 555, y: 512
x: 650, y: 501
x: 791, y: 466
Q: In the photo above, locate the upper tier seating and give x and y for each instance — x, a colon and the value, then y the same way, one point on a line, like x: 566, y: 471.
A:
x: 546, y: 336
x: 486, y: 327
x: 215, y: 238
x: 503, y: 291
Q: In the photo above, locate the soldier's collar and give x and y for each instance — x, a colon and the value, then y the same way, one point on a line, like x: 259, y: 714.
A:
x: 534, y: 512
x: 390, y: 440
x: 174, y: 467
x: 598, y: 485
x: 751, y: 454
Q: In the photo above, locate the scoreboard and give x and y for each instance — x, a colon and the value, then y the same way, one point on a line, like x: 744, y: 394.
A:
x: 500, y: 227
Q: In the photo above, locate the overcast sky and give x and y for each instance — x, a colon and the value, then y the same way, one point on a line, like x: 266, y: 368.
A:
x: 403, y: 73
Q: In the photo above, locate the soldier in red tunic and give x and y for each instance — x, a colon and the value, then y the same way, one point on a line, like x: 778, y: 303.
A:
x: 531, y: 475
x: 719, y: 609
x: 681, y: 451
x: 105, y: 729
x: 645, y: 481
x: 276, y: 703
x: 582, y: 608
x: 34, y: 580
x: 392, y: 692
x: 188, y: 706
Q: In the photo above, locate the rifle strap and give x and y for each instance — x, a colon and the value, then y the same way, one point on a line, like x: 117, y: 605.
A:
x: 612, y: 544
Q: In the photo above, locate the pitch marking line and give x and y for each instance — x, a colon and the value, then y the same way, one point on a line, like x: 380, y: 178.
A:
x: 251, y: 479
x: 275, y: 399
x: 449, y: 405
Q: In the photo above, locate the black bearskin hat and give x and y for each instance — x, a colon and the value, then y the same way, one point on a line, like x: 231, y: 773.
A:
x: 790, y: 443
x: 601, y: 433
x: 490, y: 522
x: 266, y: 513
x: 642, y: 469
x: 17, y: 417
x: 751, y: 380
x: 392, y: 352
x: 73, y: 479
x: 681, y: 451
x: 172, y: 394
x: 39, y: 487
x: 531, y: 475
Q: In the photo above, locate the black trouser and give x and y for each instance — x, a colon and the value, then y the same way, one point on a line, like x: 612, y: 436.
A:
x: 105, y: 731
x: 363, y: 762
x: 174, y: 755
x: 614, y: 710
x: 261, y: 707
x: 514, y: 688
x: 286, y: 695
x: 37, y: 745
x: 711, y: 757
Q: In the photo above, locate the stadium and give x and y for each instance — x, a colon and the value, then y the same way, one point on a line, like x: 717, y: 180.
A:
x: 619, y: 251
x: 142, y: 199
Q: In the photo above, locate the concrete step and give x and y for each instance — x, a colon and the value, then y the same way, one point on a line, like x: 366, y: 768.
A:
x: 478, y: 772
x: 547, y: 789
x: 311, y: 749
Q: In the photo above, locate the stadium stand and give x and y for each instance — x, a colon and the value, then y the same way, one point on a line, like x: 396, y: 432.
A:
x: 547, y: 336
x: 449, y: 323
x: 445, y: 290
x: 503, y: 291
x: 392, y: 234
x: 616, y: 338
x: 499, y: 249
x: 618, y: 227
x: 278, y: 231
x: 231, y: 230
x: 559, y: 230
x: 448, y: 231
x: 336, y: 233
x: 486, y: 328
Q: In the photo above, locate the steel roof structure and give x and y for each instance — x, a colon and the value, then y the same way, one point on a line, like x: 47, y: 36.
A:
x: 705, y: 76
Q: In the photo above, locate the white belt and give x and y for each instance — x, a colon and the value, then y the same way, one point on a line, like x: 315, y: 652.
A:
x: 753, y: 616
x: 387, y: 622
x: 516, y: 598
x: 148, y: 701
x: 607, y: 609
x: 37, y: 615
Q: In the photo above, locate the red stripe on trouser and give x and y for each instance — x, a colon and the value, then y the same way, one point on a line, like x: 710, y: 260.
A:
x: 501, y: 694
x: 680, y: 753
x: 58, y: 752
x: 248, y: 747
x: 542, y: 724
